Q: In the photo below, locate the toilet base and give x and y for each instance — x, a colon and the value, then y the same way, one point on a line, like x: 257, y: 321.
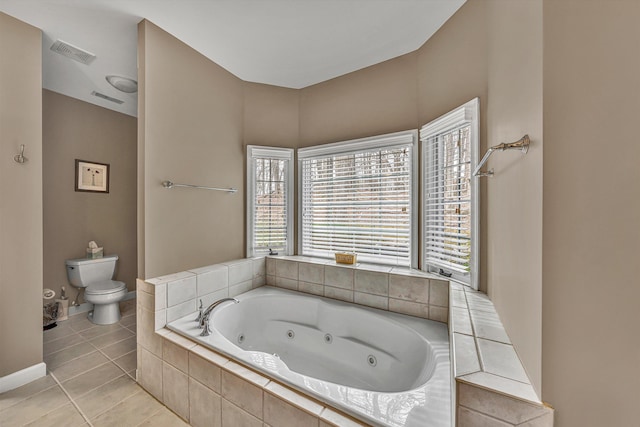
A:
x: 105, y: 314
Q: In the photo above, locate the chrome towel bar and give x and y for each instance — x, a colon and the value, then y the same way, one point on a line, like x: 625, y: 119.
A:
x: 169, y: 184
x: 522, y: 144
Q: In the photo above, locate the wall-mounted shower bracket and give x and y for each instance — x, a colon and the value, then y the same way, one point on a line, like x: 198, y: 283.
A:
x: 522, y: 144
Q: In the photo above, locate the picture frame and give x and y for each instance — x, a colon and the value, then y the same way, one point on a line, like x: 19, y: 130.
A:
x: 92, y: 177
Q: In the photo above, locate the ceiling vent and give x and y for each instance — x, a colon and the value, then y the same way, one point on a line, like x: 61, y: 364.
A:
x: 108, y: 98
x: 73, y: 52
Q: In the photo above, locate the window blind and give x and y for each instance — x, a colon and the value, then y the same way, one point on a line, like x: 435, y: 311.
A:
x: 449, y: 194
x: 447, y: 216
x: 269, y: 224
x: 359, y: 199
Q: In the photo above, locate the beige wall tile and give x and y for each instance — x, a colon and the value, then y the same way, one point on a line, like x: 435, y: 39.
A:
x: 205, y: 372
x: 175, y: 355
x: 311, y: 288
x: 212, y: 280
x: 234, y: 416
x: 278, y: 412
x: 338, y: 293
x: 294, y: 398
x: 339, y: 277
x: 438, y: 293
x: 466, y: 354
x: 146, y: 300
x: 141, y: 285
x: 240, y: 271
x: 415, y: 289
x: 311, y: 273
x: 457, y: 298
x: 285, y: 283
x: 209, y: 355
x: 408, y: 307
x: 375, y: 301
x: 161, y: 297
x: 175, y: 390
x: 150, y: 372
x: 242, y: 393
x: 372, y: 282
x: 204, y: 406
x: 259, y: 266
x: 240, y: 288
x: 270, y: 280
x: 498, y: 405
x: 543, y: 421
x: 469, y: 418
x: 145, y: 331
x: 180, y: 310
x: 270, y: 266
x: 287, y: 269
x: 181, y: 291
x: 331, y: 418
x: 439, y: 314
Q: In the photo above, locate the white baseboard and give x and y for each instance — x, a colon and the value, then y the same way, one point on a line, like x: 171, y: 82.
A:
x: 22, y: 377
x: 87, y: 306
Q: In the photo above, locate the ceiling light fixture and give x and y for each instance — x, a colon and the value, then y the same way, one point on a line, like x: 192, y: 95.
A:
x: 123, y: 84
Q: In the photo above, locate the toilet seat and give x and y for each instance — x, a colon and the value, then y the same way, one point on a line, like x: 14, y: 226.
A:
x: 105, y: 288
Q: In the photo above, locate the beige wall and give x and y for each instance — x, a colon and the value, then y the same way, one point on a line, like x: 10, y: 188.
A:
x: 72, y: 130
x: 20, y: 196
x: 513, y: 196
x: 271, y: 115
x: 378, y: 99
x: 591, y: 216
x: 191, y: 131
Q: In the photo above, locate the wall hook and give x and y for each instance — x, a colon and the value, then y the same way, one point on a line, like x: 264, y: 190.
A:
x: 20, y: 158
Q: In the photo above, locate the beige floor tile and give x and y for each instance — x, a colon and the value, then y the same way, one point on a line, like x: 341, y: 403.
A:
x: 61, y: 343
x: 79, y: 366
x: 128, y: 320
x: 128, y: 307
x: 128, y: 362
x: 165, y: 418
x: 81, y: 323
x: 61, y: 357
x: 62, y: 330
x: 130, y: 412
x: 120, y: 348
x: 107, y: 396
x: 99, y: 330
x: 19, y: 394
x: 34, y: 407
x: 67, y: 416
x: 111, y: 338
x: 92, y: 379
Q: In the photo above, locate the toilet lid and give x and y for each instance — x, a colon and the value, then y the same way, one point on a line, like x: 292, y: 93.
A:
x: 106, y: 287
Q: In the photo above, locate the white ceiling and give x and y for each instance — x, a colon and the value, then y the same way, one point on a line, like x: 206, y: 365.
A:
x: 289, y: 43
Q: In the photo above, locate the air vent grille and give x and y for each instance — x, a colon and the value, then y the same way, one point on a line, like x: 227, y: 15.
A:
x: 73, y: 52
x: 108, y: 98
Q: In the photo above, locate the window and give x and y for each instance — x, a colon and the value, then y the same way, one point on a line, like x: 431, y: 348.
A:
x: 359, y: 196
x: 269, y: 200
x: 450, y: 194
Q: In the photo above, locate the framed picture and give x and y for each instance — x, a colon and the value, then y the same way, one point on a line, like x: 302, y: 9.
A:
x: 92, y: 176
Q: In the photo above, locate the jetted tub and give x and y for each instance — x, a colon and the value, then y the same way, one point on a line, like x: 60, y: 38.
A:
x: 384, y: 368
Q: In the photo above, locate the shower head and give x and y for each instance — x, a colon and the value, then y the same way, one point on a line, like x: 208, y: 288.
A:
x: 522, y: 144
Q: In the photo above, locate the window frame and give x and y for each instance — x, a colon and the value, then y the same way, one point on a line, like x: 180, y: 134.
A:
x: 264, y: 152
x: 409, y: 137
x: 468, y: 113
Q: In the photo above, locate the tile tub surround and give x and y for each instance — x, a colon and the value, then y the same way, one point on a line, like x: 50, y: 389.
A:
x: 400, y: 290
x: 492, y: 387
x: 206, y: 388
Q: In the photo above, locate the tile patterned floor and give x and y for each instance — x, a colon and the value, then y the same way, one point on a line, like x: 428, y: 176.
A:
x: 90, y: 380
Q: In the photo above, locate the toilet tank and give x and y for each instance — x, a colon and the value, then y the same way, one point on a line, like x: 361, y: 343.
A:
x: 82, y: 272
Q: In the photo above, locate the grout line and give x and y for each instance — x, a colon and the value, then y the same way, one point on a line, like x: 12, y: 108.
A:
x: 73, y: 402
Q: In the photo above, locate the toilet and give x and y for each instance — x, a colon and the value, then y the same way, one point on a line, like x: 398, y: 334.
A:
x: 94, y: 275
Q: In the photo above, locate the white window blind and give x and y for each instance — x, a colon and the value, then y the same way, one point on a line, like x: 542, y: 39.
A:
x: 269, y: 200
x: 449, y: 194
x: 358, y: 196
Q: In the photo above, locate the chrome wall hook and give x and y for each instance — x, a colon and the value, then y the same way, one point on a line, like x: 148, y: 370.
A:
x: 20, y: 158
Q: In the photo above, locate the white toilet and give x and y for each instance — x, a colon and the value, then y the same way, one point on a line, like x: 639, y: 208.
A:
x: 94, y: 275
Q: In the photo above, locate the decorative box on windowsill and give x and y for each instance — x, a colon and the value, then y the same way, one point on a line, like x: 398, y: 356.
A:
x: 93, y: 253
x: 345, y: 258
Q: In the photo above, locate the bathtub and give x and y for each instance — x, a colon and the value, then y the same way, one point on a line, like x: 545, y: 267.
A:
x: 383, y: 368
